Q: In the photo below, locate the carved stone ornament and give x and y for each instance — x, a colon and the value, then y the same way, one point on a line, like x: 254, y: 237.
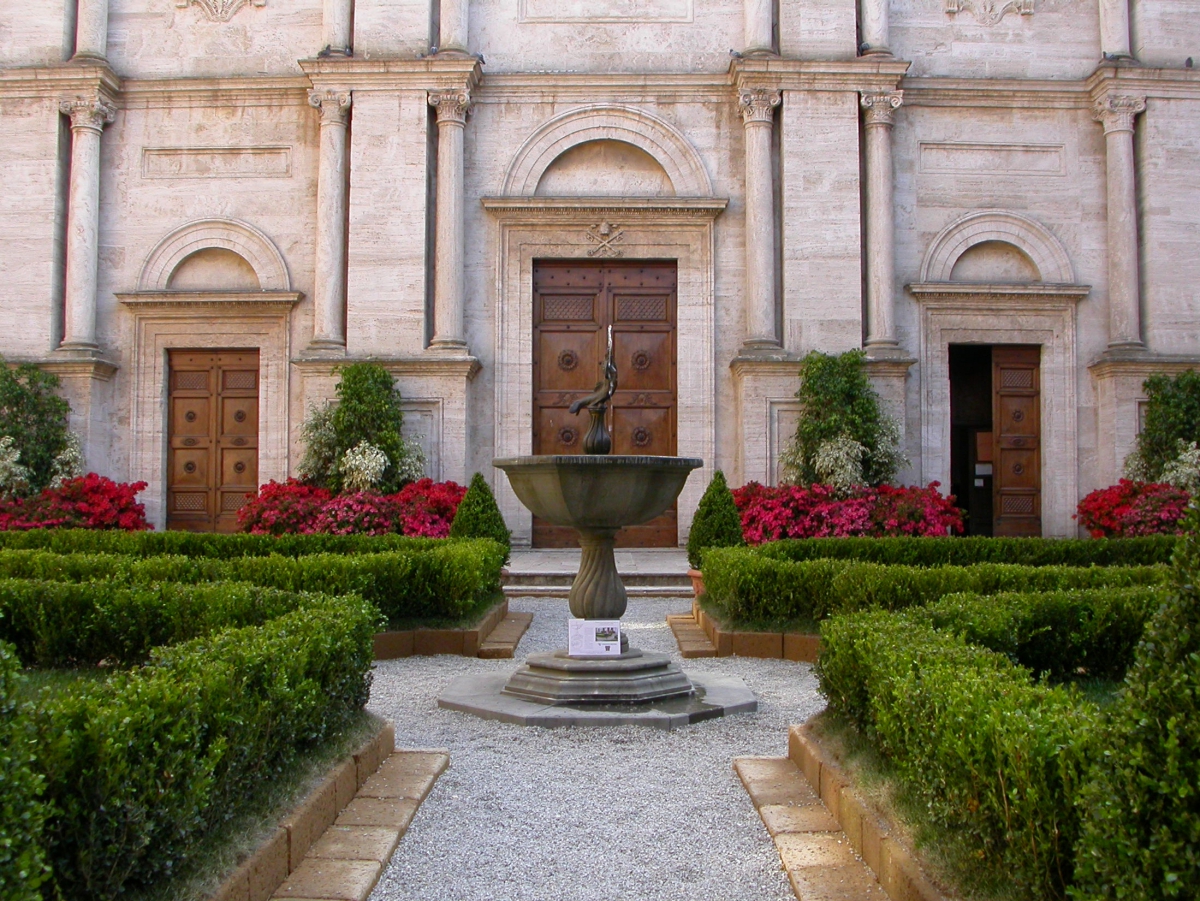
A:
x: 605, y: 236
x: 334, y: 105
x: 1117, y: 111
x: 881, y: 108
x: 758, y: 105
x: 989, y: 12
x: 219, y: 10
x: 451, y: 106
x: 91, y: 113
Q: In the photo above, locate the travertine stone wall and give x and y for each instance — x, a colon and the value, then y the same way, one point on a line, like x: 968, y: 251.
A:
x: 41, y: 39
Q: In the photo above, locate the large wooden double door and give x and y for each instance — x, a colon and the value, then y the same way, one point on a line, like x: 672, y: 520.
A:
x: 574, y: 302
x: 212, y: 424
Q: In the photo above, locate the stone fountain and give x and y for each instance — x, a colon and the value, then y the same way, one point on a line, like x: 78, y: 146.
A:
x: 598, y: 494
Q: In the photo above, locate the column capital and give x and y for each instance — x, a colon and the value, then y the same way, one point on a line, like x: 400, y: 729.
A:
x: 91, y: 113
x: 333, y: 104
x: 1117, y: 111
x: 451, y: 106
x: 881, y: 107
x: 758, y: 104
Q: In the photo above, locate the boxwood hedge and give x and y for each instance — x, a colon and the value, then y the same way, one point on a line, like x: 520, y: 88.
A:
x: 23, y: 866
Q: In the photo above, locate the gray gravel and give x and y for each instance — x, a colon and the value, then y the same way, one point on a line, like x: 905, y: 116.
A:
x: 629, y: 812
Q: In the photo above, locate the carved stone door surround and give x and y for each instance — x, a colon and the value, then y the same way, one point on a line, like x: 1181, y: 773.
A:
x: 547, y: 228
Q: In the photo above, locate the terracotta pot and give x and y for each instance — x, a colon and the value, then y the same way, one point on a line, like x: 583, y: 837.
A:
x: 697, y: 578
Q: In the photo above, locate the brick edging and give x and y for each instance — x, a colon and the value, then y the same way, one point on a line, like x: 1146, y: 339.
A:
x: 870, y: 834
x: 801, y: 647
x: 257, y: 878
x: 422, y: 642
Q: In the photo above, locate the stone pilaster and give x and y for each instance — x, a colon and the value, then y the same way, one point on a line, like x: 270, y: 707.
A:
x: 329, y: 281
x: 1114, y: 29
x: 873, y: 27
x: 758, y: 112
x: 1116, y: 113
x: 88, y: 118
x: 449, y: 241
x: 454, y: 28
x: 91, y: 30
x: 335, y: 27
x: 879, y: 115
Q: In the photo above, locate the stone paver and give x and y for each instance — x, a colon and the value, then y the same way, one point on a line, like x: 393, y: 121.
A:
x: 502, y: 643
x: 357, y: 843
x: 340, y: 880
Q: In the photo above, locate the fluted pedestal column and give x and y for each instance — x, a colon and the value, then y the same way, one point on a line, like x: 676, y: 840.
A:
x: 88, y: 118
x: 1114, y: 28
x: 879, y: 115
x: 873, y: 26
x: 758, y: 112
x: 1117, y: 113
x: 91, y: 30
x: 329, y: 282
x: 335, y: 26
x: 449, y: 241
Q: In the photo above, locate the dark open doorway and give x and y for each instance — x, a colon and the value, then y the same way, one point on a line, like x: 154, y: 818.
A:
x: 971, y: 465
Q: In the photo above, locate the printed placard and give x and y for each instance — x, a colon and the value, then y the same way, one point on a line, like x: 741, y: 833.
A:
x: 594, y: 637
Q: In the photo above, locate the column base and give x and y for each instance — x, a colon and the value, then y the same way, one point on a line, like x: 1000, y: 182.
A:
x: 448, y: 346
x: 763, y: 349
x: 326, y: 347
x: 868, y: 50
x: 887, y: 352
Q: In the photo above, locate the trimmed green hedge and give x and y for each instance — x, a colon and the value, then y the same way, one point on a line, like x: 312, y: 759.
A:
x: 995, y: 758
x: 22, y: 815
x: 442, y: 580
x: 1058, y: 633
x: 139, y: 765
x: 71, y: 624
x: 206, y: 544
x: 966, y: 551
x: 744, y: 586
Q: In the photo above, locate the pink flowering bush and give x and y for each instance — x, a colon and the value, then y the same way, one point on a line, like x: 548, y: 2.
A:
x: 820, y: 511
x: 421, y: 509
x: 1132, y: 508
x: 86, y: 502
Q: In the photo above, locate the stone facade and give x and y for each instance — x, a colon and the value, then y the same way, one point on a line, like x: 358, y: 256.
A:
x: 332, y: 180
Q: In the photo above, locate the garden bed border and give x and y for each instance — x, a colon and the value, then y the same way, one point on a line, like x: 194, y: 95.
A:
x: 425, y: 642
x: 800, y: 647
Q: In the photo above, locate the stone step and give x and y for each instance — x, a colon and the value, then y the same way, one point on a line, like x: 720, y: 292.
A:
x: 561, y: 591
x: 531, y: 578
x: 502, y: 643
x: 690, y: 637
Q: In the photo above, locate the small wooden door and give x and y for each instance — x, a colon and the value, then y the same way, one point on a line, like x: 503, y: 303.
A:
x: 574, y: 303
x: 1016, y: 440
x: 212, y: 427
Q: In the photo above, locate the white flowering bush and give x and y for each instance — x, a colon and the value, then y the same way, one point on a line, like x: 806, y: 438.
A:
x: 362, y: 467
x: 68, y: 464
x: 839, y: 462
x: 14, y: 478
x: 411, y: 467
x: 1184, y: 471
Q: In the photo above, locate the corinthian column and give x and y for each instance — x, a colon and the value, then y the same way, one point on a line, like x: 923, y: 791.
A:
x: 91, y: 30
x: 758, y: 113
x: 873, y: 26
x: 88, y: 118
x: 1116, y: 113
x: 449, y: 241
x: 335, y: 26
x: 329, y: 282
x: 879, y: 117
x: 1114, y: 28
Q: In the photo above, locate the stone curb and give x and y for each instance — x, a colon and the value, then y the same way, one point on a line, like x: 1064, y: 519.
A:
x: 699, y: 635
x: 260, y: 875
x: 427, y: 642
x: 894, y: 863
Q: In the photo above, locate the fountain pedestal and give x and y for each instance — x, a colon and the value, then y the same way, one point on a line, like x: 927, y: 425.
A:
x: 635, y: 677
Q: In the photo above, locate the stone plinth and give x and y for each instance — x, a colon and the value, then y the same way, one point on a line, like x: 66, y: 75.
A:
x: 632, y: 678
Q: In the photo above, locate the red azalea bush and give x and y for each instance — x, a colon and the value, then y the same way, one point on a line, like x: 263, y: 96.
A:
x: 817, y: 511
x: 1133, y: 508
x: 424, y: 509
x: 87, y: 502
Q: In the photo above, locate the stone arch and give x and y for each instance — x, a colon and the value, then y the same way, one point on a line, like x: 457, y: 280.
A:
x: 1027, y: 235
x: 602, y: 122
x: 229, y: 234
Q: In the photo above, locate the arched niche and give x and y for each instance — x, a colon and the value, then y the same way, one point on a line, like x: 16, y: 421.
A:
x: 605, y: 168
x: 240, y: 238
x: 655, y: 137
x: 998, y: 227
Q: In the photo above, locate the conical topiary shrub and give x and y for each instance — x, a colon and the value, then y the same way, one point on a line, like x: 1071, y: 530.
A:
x: 717, y: 523
x: 479, y: 517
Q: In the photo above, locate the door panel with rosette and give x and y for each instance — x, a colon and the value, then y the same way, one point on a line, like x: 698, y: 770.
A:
x: 1016, y: 437
x: 574, y: 303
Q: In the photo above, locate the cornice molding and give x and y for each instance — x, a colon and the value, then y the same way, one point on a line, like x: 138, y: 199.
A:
x: 1140, y: 364
x: 60, y: 82
x: 1165, y: 84
x: 253, y: 91
x: 964, y: 295
x: 187, y: 304
x: 869, y: 74
x: 443, y: 72
x: 779, y: 365
x: 996, y: 92
x: 544, y: 209
x: 550, y: 87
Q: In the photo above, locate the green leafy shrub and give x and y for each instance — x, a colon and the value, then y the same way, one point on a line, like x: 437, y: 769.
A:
x: 746, y: 587
x: 994, y: 758
x: 1141, y: 806
x: 1171, y: 425
x: 35, y: 418
x: 139, y: 765
x: 1062, y: 634
x: 717, y: 523
x: 22, y: 814
x: 71, y: 624
x: 342, y: 439
x: 929, y: 551
x: 478, y: 516
x: 842, y: 437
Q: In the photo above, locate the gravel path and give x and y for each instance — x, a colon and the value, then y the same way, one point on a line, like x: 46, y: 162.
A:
x: 629, y: 812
